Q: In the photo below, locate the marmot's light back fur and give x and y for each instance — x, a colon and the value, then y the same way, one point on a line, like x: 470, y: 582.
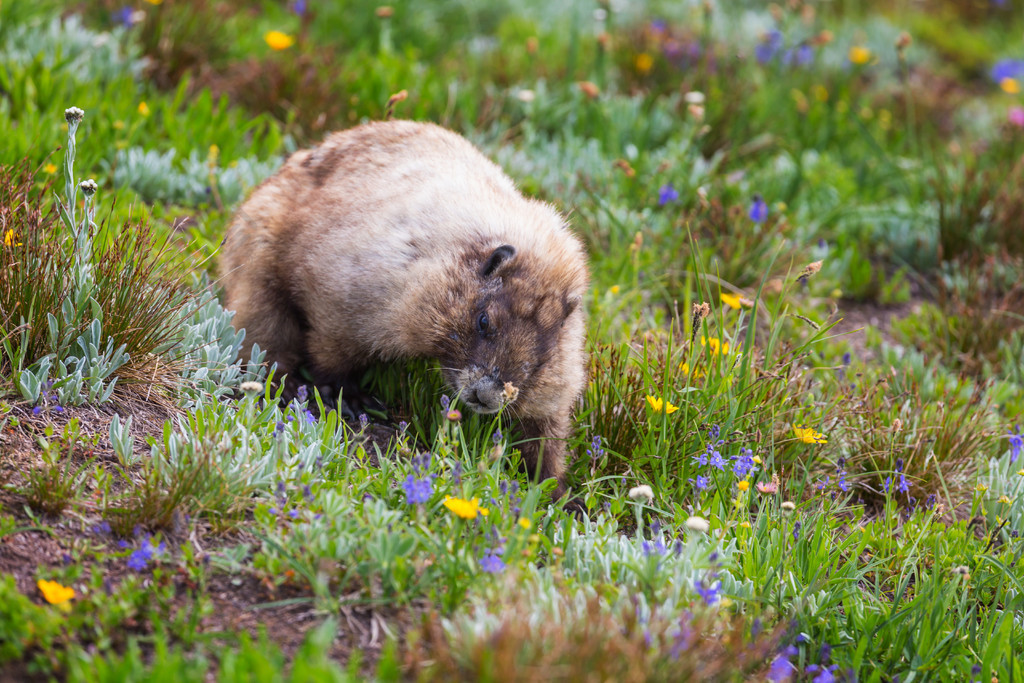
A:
x: 397, y: 240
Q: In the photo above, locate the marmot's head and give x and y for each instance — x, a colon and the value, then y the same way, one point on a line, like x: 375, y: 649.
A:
x: 516, y: 328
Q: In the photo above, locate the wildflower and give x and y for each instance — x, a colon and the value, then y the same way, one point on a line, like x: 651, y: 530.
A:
x: 658, y: 548
x: 417, y: 491
x: 700, y: 483
x: 826, y: 674
x: 1010, y: 86
x: 766, y: 487
x: 454, y: 415
x: 796, y: 531
x: 716, y: 461
x: 491, y: 562
x: 697, y: 524
x: 589, y: 89
x: 842, y: 483
x: 54, y: 593
x: 710, y: 594
x: 714, y: 431
x: 667, y: 194
x: 981, y: 488
x: 788, y: 506
x: 278, y: 40
x: 758, y: 209
x: 694, y: 97
x: 526, y: 95
x: 903, y: 485
x: 660, y: 406
x: 140, y: 558
x: 88, y: 187
x: 155, y: 2
x: 298, y: 7
x: 466, y: 509
x: 641, y: 493
x: 525, y: 523
x: 702, y: 459
x: 1016, y: 444
x: 509, y: 392
x: 743, y: 485
x: 1005, y: 499
x: 50, y: 169
x: 9, y: 238
x: 859, y: 55
x: 1016, y: 116
x: 744, y: 525
x: 143, y: 108
x: 809, y: 270
x: 781, y: 668
x: 716, y: 345
x: 596, y: 452
x: 251, y: 387
x: 744, y: 463
x: 808, y: 435
x: 771, y: 43
x: 643, y: 63
x: 734, y: 301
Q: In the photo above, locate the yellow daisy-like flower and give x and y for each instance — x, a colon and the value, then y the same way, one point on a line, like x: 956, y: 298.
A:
x: 50, y: 169
x: 278, y: 40
x: 660, y: 406
x: 1010, y: 85
x: 143, y: 108
x: 732, y: 300
x: 716, y: 345
x: 525, y: 523
x: 1005, y: 499
x: 808, y: 435
x: 743, y: 485
x: 859, y: 55
x: 54, y: 593
x: 643, y: 62
x: 9, y: 239
x: 466, y: 509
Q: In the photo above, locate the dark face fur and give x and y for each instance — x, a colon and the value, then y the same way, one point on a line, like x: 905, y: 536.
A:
x: 506, y: 334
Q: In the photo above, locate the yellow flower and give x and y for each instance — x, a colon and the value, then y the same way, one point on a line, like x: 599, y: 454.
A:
x: 659, y: 406
x: 119, y: 125
x: 54, y: 593
x: 50, y: 169
x: 1005, y: 499
x: 9, y: 239
x: 1010, y: 85
x: 744, y: 525
x: 614, y: 289
x: 644, y: 62
x: 1021, y: 471
x: 743, y: 485
x: 757, y: 459
x: 808, y: 435
x: 154, y: 2
x: 859, y: 54
x: 143, y: 108
x: 525, y: 523
x: 731, y: 300
x: 981, y: 488
x: 466, y: 509
x: 278, y: 41
x: 716, y: 345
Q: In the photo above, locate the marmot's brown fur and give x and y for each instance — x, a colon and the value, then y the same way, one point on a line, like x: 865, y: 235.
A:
x: 398, y: 240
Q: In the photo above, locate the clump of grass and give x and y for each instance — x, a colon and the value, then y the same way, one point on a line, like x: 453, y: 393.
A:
x: 590, y: 642
x: 51, y: 488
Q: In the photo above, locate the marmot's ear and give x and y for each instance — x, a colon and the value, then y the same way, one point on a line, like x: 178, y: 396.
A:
x: 571, y: 304
x: 497, y: 259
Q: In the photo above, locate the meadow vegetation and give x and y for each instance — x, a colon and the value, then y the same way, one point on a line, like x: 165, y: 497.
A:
x: 799, y: 450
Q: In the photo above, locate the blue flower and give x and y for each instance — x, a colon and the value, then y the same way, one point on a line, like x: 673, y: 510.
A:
x: 667, y: 194
x: 714, y: 432
x: 710, y: 594
x: 903, y: 486
x: 768, y: 47
x: 491, y: 562
x: 700, y: 483
x: 124, y: 16
x: 1008, y: 68
x: 657, y: 548
x: 417, y: 491
x: 796, y: 531
x: 1016, y: 444
x: 826, y: 674
x: 717, y: 461
x: 888, y: 480
x: 843, y: 486
x: 758, y: 209
x: 781, y: 668
x: 744, y: 463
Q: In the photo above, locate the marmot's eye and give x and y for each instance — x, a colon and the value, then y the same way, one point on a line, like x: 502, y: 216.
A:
x: 483, y: 323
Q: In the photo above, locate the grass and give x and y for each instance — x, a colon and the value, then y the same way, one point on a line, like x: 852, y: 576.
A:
x: 778, y: 480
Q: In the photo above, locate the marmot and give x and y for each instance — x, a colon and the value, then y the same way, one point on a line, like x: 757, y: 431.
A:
x: 397, y: 240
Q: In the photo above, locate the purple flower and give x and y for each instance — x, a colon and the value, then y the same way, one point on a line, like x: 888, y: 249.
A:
x: 667, y: 194
x: 302, y: 393
x: 710, y: 595
x: 140, y: 558
x: 124, y: 16
x: 796, y: 531
x: 445, y: 402
x: 657, y: 548
x: 37, y: 410
x: 826, y: 674
x: 768, y: 47
x: 744, y: 463
x: 782, y: 669
x: 1016, y: 444
x: 417, y: 491
x: 843, y: 486
x: 1008, y: 68
x: 491, y: 562
x: 714, y: 432
x: 758, y: 209
x: 903, y: 486
x: 888, y: 480
x: 700, y: 483
x: 717, y: 461
x: 299, y: 7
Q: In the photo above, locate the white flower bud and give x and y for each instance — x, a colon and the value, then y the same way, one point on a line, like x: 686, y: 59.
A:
x: 89, y: 187
x: 698, y: 524
x: 73, y: 115
x: 642, y: 493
